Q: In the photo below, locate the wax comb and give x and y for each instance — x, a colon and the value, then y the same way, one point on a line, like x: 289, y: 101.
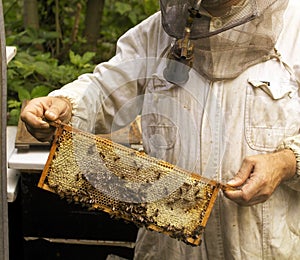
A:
x: 100, y: 174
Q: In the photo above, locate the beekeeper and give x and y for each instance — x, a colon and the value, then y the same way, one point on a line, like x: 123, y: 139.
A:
x: 216, y: 83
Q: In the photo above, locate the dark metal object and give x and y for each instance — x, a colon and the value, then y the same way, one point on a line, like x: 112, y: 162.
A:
x: 181, y: 56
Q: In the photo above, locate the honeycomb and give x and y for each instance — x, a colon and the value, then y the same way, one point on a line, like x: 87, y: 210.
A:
x: 102, y: 175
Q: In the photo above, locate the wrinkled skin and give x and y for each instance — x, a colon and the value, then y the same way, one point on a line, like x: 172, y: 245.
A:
x: 40, y: 110
x: 254, y: 183
x: 259, y: 176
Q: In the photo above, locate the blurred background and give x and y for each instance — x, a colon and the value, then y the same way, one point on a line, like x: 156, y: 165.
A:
x: 57, y: 40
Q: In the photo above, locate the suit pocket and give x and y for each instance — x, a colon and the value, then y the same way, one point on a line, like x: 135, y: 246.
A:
x: 272, y: 113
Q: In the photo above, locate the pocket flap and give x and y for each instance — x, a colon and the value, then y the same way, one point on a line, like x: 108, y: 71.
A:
x: 276, y: 90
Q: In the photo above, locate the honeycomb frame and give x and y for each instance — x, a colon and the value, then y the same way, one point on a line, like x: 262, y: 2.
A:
x: 99, y: 174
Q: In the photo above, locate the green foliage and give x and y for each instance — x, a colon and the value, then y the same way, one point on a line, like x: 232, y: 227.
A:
x: 121, y: 15
x: 35, y: 76
x: 81, y: 61
x: 31, y: 38
x: 51, y: 57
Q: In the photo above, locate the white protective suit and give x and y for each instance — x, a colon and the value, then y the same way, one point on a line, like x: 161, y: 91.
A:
x: 205, y: 127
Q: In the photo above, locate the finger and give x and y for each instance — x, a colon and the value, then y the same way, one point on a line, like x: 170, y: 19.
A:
x: 35, y: 122
x: 243, y: 174
x: 60, y: 108
x: 32, y: 115
x: 242, y: 198
x: 40, y: 133
x: 238, y: 198
x: 43, y: 136
x: 234, y: 195
x: 251, y: 193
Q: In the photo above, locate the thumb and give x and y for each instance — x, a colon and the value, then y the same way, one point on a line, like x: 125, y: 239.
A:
x: 242, y: 175
x: 60, y: 108
x: 236, y: 181
x: 51, y: 115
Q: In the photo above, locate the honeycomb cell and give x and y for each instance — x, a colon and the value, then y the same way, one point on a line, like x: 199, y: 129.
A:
x: 101, y: 175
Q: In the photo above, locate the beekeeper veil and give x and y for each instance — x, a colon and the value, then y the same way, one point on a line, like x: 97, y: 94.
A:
x: 220, y: 38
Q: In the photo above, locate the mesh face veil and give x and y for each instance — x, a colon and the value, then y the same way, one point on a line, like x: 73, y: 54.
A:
x: 220, y: 53
x: 175, y: 13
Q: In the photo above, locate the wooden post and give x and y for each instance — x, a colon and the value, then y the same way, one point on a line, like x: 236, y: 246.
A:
x: 4, y: 248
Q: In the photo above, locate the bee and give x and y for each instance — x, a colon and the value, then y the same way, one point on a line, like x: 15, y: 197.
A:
x: 117, y: 158
x: 170, y: 228
x: 129, y: 208
x: 137, y: 166
x: 156, y: 213
x: 158, y: 176
x: 151, y: 219
x: 76, y: 198
x: 92, y: 202
x: 197, y: 232
x: 102, y: 155
x: 77, y: 177
x: 185, y: 238
x: 91, y: 150
x: 180, y: 191
x: 185, y: 200
x: 187, y: 186
x: 84, y: 192
x: 132, y: 154
x: 166, y: 191
x: 196, y: 193
x: 141, y: 219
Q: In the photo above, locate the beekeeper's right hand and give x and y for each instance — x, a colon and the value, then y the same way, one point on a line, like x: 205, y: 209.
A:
x: 40, y: 110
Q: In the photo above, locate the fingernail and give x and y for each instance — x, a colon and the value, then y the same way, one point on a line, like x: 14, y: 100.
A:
x: 51, y: 114
x: 43, y: 123
x: 231, y: 182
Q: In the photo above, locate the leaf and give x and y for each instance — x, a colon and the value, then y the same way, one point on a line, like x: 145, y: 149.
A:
x: 74, y: 58
x: 49, y: 35
x: 13, y: 104
x: 151, y: 6
x: 81, y: 61
x: 23, y: 94
x: 40, y: 91
x: 133, y: 17
x: 87, y: 57
x: 42, y: 68
x: 13, y: 117
x: 44, y: 57
x: 122, y: 8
